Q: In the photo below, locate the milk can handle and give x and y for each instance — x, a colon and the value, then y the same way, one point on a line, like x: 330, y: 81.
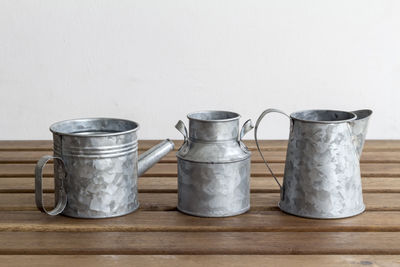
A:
x: 180, y: 126
x: 255, y: 137
x: 62, y: 196
x: 247, y: 127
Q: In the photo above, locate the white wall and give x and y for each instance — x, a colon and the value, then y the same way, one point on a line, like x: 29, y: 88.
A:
x: 155, y: 61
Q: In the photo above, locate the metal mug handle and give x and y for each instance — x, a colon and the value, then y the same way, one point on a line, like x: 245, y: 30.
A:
x: 62, y: 201
x: 265, y: 112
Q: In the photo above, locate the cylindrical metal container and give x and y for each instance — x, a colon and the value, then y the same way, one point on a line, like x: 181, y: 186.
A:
x: 95, y: 167
x: 213, y: 165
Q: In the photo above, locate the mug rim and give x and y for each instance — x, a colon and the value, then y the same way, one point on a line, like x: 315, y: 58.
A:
x: 134, y: 128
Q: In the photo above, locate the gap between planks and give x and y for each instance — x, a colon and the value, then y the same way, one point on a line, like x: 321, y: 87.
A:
x: 168, y: 201
x: 18, y: 157
x: 169, y: 185
x: 173, y: 221
x: 170, y: 170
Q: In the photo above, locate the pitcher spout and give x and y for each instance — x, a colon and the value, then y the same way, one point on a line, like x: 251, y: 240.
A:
x: 359, y: 129
x: 154, y: 155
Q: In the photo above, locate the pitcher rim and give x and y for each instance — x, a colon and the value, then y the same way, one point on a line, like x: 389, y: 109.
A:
x: 134, y: 129
x: 324, y: 121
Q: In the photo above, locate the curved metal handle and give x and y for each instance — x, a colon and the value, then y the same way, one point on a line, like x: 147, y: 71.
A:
x: 255, y: 137
x: 247, y: 127
x: 180, y: 126
x: 62, y: 201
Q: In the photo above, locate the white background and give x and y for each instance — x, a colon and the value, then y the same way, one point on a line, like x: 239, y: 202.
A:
x: 156, y: 61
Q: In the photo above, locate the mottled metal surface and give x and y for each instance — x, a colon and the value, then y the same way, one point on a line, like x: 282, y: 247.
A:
x: 213, y: 166
x: 323, y: 116
x: 213, y: 190
x: 101, y: 163
x: 219, y: 152
x: 322, y: 171
x: 359, y: 128
x: 213, y: 126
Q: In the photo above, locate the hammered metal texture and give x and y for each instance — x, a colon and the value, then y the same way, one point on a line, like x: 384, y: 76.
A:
x: 213, y: 126
x: 219, y: 152
x: 101, y: 163
x: 214, y: 190
x: 213, y: 166
x: 359, y: 128
x: 99, y: 186
x: 322, y: 171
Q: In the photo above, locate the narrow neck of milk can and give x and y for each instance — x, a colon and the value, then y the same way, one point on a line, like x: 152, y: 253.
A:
x: 213, y: 126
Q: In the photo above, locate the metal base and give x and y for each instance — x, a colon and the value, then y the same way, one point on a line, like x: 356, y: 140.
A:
x: 214, y: 216
x: 102, y: 217
x: 324, y: 218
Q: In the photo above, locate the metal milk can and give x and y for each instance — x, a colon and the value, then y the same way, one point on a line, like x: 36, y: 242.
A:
x: 96, y: 166
x: 322, y: 171
x: 213, y: 165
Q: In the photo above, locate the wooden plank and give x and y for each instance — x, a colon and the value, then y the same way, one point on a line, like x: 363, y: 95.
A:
x: 167, y: 201
x: 201, y: 260
x: 279, y: 243
x: 280, y: 157
x: 12, y: 145
x: 270, y: 156
x: 169, y: 185
x: 271, y: 145
x: 173, y: 221
x: 170, y: 170
x: 370, y: 145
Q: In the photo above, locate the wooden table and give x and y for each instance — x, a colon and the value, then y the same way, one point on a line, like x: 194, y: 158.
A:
x: 158, y: 234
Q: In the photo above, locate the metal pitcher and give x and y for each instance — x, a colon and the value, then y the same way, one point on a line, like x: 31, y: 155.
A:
x: 213, y: 165
x: 96, y: 167
x: 322, y: 171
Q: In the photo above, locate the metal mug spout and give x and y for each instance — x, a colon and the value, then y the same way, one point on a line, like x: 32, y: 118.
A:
x: 359, y: 128
x: 153, y: 155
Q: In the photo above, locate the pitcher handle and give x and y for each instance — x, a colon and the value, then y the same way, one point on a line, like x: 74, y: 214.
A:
x: 255, y: 137
x: 62, y: 201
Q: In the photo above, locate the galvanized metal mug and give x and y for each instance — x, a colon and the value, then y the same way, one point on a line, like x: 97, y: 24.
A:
x: 322, y: 171
x: 213, y: 165
x: 96, y: 167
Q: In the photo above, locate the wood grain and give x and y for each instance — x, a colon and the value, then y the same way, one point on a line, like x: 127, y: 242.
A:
x: 180, y: 240
x: 174, y: 221
x: 201, y: 260
x: 170, y: 170
x: 267, y: 145
x: 170, y: 184
x: 167, y: 201
x: 270, y: 156
x: 205, y: 243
